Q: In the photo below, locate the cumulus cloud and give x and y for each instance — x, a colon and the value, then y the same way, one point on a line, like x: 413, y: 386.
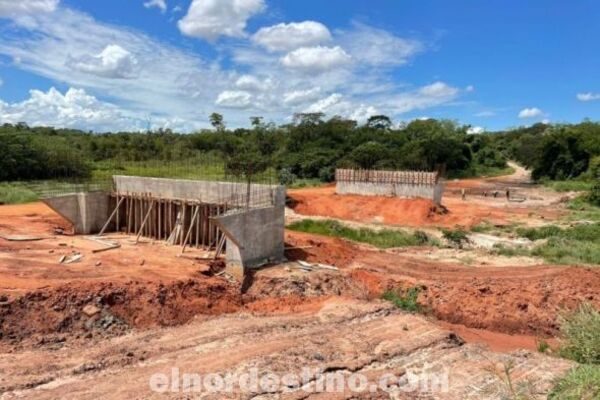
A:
x: 301, y: 96
x: 209, y: 19
x: 589, y: 96
x: 285, y: 37
x: 253, y: 84
x: 160, y: 4
x: 532, y: 112
x: 75, y: 109
x: 475, y: 130
x: 378, y: 47
x: 316, y: 59
x: 336, y: 104
x: 16, y: 8
x: 112, y: 62
x: 427, y: 96
x: 178, y: 88
x: 234, y: 99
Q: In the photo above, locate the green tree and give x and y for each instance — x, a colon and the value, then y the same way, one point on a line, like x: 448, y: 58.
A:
x: 217, y: 121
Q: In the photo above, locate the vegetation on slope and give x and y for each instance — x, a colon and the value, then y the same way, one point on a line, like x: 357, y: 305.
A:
x: 385, y: 238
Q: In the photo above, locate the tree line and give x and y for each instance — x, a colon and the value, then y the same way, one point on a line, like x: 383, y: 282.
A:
x: 311, y: 147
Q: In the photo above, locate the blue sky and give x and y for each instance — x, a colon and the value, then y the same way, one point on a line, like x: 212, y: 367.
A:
x: 118, y: 65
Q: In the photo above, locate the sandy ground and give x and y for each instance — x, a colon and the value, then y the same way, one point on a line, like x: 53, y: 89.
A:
x: 102, y: 326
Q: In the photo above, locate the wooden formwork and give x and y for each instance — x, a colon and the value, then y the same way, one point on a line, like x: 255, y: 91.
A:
x: 180, y: 222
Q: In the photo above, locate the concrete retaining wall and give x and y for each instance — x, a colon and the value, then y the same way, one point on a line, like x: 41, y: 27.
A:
x: 254, y: 237
x: 203, y: 191
x: 86, y: 211
x: 392, y: 189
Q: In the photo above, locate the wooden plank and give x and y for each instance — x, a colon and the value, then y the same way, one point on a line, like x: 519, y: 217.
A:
x: 110, y: 218
x: 192, y: 222
x: 144, y: 222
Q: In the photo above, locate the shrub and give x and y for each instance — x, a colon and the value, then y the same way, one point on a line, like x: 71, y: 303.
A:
x: 327, y: 174
x: 539, y: 233
x: 594, y: 196
x: 405, y: 299
x: 580, y: 331
x: 582, y: 382
x: 457, y: 237
x: 286, y: 177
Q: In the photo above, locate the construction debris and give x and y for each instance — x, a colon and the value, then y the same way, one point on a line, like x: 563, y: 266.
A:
x: 21, y: 238
x: 75, y: 257
x: 109, y: 245
x: 316, y: 266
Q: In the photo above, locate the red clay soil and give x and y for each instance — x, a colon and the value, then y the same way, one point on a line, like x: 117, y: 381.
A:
x: 324, y: 202
x: 512, y: 300
x: 149, y: 285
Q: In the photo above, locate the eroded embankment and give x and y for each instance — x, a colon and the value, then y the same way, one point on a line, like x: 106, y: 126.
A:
x: 98, y: 310
x: 526, y: 300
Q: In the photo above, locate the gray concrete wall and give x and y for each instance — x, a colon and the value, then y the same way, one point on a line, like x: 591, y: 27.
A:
x: 86, y: 211
x: 255, y: 236
x: 204, y: 191
x: 385, y: 189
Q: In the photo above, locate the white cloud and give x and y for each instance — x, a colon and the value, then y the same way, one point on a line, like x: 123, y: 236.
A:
x: 532, y: 112
x: 336, y: 104
x: 75, y: 109
x: 285, y: 37
x: 475, y: 130
x: 432, y: 95
x: 589, y: 96
x: 113, y: 62
x: 170, y: 83
x: 160, y: 4
x: 485, y: 114
x: 209, y: 19
x: 234, y: 99
x: 253, y: 84
x: 16, y: 8
x: 378, y: 47
x: 470, y: 88
x: 316, y: 59
x: 176, y: 87
x: 301, y: 96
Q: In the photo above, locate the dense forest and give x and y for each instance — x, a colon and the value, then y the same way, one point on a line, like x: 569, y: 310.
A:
x: 311, y: 148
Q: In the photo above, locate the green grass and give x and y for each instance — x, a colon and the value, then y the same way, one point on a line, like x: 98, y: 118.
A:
x: 515, y: 251
x: 385, y: 238
x: 405, y: 299
x: 568, y: 185
x: 582, y: 382
x: 580, y: 334
x: 581, y: 209
x: 15, y: 193
x: 573, y: 245
x: 457, y: 237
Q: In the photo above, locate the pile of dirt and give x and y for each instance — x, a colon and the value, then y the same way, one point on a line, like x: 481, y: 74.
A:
x: 323, y: 201
x: 109, y: 309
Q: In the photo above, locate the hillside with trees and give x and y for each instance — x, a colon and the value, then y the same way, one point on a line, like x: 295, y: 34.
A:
x: 310, y: 147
